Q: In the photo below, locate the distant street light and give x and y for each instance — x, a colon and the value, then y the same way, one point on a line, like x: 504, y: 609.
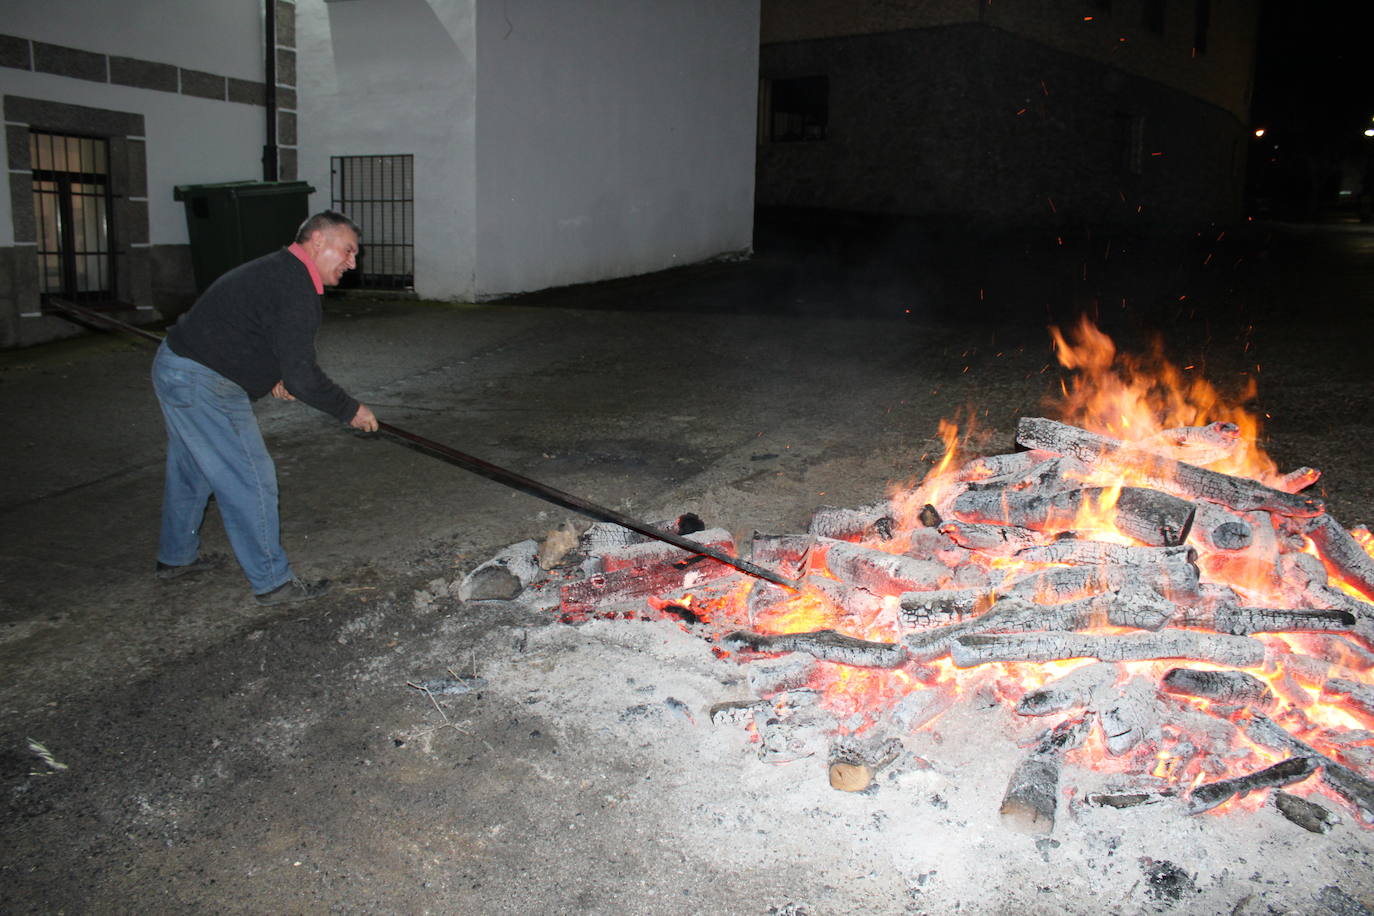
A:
x: 1259, y: 132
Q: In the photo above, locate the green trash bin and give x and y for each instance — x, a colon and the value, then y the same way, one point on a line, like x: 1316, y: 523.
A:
x: 236, y: 221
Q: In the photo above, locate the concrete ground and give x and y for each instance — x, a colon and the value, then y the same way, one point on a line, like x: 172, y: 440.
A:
x: 224, y: 757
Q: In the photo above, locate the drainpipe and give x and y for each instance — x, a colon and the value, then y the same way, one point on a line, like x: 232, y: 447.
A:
x: 269, y: 151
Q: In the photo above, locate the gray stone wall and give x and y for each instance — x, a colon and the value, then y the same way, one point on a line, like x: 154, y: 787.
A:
x: 980, y: 127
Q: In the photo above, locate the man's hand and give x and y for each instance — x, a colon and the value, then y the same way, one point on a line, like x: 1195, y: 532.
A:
x: 364, y: 420
x: 279, y: 391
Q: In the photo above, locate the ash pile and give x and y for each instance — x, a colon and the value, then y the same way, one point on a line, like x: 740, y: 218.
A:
x: 1181, y: 636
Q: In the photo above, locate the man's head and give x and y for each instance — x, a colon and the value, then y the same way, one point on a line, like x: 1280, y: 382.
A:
x: 331, y: 240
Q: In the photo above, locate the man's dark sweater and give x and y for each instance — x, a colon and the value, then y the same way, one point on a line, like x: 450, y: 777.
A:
x: 256, y: 326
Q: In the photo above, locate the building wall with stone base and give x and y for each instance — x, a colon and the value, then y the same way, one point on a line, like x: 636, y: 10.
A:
x: 979, y: 126
x: 174, y: 91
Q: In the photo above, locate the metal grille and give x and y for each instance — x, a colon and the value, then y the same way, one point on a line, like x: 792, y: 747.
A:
x: 378, y: 193
x: 71, y: 205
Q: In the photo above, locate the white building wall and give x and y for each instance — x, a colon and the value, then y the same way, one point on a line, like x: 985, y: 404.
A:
x: 218, y: 36
x: 189, y: 141
x: 388, y: 77
x: 614, y: 137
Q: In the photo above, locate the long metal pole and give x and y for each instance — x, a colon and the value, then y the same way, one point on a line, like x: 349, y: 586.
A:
x: 580, y: 505
x: 499, y: 474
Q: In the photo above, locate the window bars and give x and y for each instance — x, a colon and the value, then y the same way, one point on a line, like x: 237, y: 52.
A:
x: 378, y: 193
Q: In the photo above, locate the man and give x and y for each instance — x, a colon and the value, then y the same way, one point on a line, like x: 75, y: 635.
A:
x: 252, y: 332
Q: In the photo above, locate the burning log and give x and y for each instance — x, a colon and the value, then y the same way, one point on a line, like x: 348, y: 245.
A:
x: 1306, y: 814
x: 1208, y: 796
x: 880, y: 572
x: 825, y: 645
x: 1339, y: 548
x: 1351, y: 694
x: 1233, y: 688
x: 1131, y: 607
x: 1219, y: 528
x: 1177, y: 579
x: 1149, y: 516
x: 1076, y: 690
x: 1032, y: 794
x: 1075, y: 552
x: 650, y: 554
x: 1176, y: 477
x: 993, y: 540
x: 1232, y: 651
x: 633, y: 584
x: 1345, y: 782
x: 1049, y: 476
x: 1297, y: 480
x: 1198, y: 445
x: 865, y: 523
x: 852, y: 600
x: 1010, y: 465
x: 1244, y: 621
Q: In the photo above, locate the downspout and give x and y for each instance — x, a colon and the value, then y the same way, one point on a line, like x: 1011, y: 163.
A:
x: 269, y: 150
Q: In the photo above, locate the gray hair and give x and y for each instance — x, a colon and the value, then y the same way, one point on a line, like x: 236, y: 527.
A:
x: 323, y: 222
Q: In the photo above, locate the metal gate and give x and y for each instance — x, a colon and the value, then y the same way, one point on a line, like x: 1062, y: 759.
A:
x: 378, y: 193
x: 71, y: 207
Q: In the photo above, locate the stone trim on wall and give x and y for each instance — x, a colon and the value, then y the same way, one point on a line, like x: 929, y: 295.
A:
x: 287, y: 148
x: 128, y: 175
x: 40, y: 57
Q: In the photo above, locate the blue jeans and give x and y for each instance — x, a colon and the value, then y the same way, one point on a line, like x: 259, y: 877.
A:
x: 214, y: 446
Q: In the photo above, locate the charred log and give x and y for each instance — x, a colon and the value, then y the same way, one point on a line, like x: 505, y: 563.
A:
x: 1200, y: 445
x: 1047, y: 477
x: 1297, y: 480
x: 785, y: 553
x: 880, y: 572
x: 1126, y: 719
x: 1076, y: 690
x: 993, y: 540
x: 1244, y: 621
x: 1032, y: 795
x: 1208, y: 796
x: 1306, y: 814
x: 1100, y: 553
x: 1176, y: 477
x: 1353, y: 788
x: 1233, y: 688
x: 1149, y: 516
x: 1352, y: 694
x: 1012, y: 463
x: 980, y: 649
x: 874, y: 521
x: 825, y: 645
x: 1219, y: 528
x: 921, y: 610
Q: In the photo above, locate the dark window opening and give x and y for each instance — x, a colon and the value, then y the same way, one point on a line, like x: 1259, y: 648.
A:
x: 1153, y: 16
x: 378, y: 193
x: 799, y: 109
x: 72, y: 207
x: 1202, y: 21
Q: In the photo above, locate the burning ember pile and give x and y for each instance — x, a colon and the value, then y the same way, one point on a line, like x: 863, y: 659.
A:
x: 1178, y: 614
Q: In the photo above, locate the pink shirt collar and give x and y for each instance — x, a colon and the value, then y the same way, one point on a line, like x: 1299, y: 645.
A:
x: 299, y: 252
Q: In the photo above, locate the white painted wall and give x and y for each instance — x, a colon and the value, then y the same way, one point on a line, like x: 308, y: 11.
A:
x: 614, y: 137
x: 189, y: 141
x: 389, y: 77
x: 214, y: 36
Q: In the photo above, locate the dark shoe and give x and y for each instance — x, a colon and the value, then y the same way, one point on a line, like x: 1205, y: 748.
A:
x: 295, y: 590
x: 200, y: 564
